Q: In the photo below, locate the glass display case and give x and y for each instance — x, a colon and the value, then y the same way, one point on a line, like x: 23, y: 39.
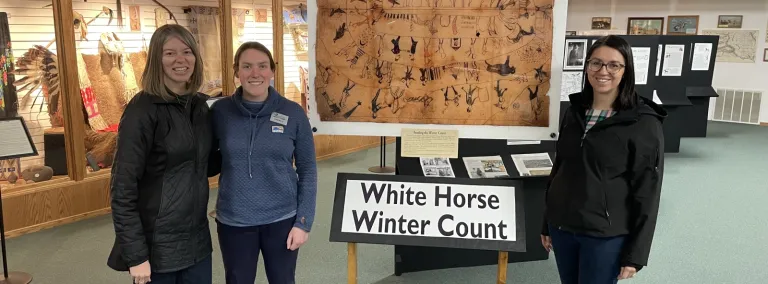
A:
x: 69, y: 69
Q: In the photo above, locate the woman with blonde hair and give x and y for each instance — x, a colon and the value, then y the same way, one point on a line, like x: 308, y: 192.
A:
x: 159, y: 178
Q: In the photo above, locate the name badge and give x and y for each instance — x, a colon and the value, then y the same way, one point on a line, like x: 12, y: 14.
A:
x: 277, y: 129
x: 279, y: 118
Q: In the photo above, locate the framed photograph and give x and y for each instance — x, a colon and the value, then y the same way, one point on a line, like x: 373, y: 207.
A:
x: 575, y: 54
x: 683, y: 25
x: 729, y: 21
x: 601, y: 23
x: 765, y: 55
x: 645, y: 26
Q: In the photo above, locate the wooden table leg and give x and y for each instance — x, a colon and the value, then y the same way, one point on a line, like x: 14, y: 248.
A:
x: 502, y: 272
x: 351, y: 263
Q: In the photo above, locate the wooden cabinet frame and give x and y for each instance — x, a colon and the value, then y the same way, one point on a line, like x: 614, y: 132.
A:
x: 33, y: 207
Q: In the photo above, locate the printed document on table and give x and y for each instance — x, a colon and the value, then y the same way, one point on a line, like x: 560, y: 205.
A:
x: 538, y: 164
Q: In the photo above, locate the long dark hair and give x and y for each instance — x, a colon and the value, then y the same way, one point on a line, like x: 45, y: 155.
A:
x: 627, y: 97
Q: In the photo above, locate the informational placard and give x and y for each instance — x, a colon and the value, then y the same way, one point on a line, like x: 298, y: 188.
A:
x: 426, y: 211
x: 572, y: 83
x: 642, y: 59
x: 702, y: 53
x: 673, y: 60
x: 429, y: 143
x: 15, y: 139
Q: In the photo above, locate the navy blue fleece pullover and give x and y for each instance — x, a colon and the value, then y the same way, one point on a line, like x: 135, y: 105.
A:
x: 258, y: 143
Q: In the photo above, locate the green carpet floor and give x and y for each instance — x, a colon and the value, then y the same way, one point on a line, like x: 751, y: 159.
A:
x: 712, y: 228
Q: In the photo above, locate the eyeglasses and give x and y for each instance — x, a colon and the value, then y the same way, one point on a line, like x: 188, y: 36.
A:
x: 595, y: 65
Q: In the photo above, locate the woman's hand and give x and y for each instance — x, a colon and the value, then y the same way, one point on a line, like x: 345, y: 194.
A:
x: 141, y: 273
x: 296, y: 238
x: 546, y: 241
x: 627, y: 272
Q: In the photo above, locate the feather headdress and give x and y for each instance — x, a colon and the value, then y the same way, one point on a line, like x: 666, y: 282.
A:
x: 38, y: 67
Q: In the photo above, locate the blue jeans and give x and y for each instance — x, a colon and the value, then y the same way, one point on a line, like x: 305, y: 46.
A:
x: 200, y: 273
x: 584, y: 259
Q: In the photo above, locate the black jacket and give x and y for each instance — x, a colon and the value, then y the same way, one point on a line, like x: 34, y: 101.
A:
x: 159, y: 183
x: 608, y: 182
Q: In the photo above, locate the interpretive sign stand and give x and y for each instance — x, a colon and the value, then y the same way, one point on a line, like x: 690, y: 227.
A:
x: 481, y: 214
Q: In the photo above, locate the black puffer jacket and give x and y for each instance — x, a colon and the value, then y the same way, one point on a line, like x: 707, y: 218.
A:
x: 608, y: 182
x: 160, y: 183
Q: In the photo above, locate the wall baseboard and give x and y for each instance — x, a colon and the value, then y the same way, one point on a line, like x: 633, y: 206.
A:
x: 764, y: 124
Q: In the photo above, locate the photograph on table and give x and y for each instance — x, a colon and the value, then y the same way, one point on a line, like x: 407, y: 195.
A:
x: 485, y: 167
x: 436, y: 167
x: 645, y: 26
x: 683, y: 25
x: 575, y: 54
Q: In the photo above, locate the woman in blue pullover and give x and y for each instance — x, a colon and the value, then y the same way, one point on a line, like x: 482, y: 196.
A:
x: 264, y: 204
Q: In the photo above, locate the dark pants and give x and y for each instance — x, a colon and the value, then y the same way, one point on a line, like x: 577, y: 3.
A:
x: 240, y: 247
x: 583, y: 259
x: 200, y: 273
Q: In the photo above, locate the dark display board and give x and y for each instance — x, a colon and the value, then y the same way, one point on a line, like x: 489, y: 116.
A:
x: 9, y: 105
x: 678, y: 95
x: 685, y: 97
x: 419, y: 258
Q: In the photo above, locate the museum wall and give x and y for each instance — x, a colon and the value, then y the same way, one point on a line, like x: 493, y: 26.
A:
x: 739, y: 76
x: 31, y: 23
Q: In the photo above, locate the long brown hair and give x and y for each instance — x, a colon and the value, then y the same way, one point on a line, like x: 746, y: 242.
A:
x: 153, y: 78
x: 627, y: 96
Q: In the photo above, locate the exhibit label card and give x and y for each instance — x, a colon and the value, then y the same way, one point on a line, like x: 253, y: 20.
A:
x: 673, y: 60
x: 642, y: 58
x: 429, y: 143
x: 702, y: 51
x: 571, y: 84
x: 430, y: 210
x: 14, y: 139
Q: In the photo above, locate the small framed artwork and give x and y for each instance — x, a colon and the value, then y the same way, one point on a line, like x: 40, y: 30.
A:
x: 729, y: 21
x: 601, y: 23
x: 765, y: 55
x: 645, y: 26
x: 575, y: 54
x: 682, y: 25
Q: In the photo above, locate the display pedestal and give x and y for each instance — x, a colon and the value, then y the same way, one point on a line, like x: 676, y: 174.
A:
x: 419, y: 258
x: 382, y: 168
x: 677, y: 106
x: 14, y: 127
x: 15, y: 277
x: 697, y: 116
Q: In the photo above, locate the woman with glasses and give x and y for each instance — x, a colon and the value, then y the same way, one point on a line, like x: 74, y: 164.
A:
x: 603, y: 195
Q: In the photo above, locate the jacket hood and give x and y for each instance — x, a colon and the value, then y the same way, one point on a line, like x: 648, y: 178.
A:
x: 647, y: 106
x: 643, y: 106
x: 274, y: 101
